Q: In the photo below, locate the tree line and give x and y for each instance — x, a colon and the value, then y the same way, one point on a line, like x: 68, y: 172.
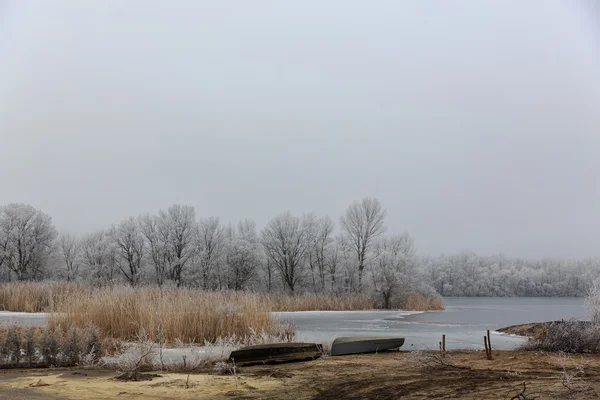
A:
x: 290, y: 254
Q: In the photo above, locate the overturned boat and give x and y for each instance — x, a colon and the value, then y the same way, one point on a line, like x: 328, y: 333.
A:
x: 276, y: 353
x: 360, y: 345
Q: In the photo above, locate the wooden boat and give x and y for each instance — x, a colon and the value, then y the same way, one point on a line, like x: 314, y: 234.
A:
x: 276, y: 353
x: 359, y: 345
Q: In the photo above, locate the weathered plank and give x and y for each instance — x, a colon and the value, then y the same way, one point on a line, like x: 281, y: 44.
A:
x: 276, y: 353
x: 360, y: 345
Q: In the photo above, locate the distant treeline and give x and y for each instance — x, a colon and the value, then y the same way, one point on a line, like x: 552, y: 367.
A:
x: 468, y: 274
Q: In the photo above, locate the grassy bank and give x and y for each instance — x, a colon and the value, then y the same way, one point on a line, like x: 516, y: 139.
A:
x: 176, y: 314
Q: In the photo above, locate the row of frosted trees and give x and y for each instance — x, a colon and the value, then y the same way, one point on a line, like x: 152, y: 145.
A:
x: 291, y: 253
x: 469, y: 274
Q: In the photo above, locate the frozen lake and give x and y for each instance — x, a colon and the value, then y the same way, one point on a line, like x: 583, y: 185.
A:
x: 464, y: 321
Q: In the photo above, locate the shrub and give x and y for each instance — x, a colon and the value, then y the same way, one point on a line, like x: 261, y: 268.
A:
x: 92, y: 346
x: 29, y: 347
x: 72, y: 346
x: 50, y: 346
x: 567, y: 336
x: 13, y: 344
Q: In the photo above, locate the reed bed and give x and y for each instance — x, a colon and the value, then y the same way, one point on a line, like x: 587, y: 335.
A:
x: 38, y: 296
x: 419, y: 302
x: 178, y: 314
x: 169, y: 315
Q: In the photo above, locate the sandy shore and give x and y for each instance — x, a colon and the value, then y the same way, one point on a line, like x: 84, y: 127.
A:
x: 406, y: 375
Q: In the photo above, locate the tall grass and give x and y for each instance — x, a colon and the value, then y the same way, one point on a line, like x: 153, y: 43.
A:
x: 419, y: 302
x: 169, y: 315
x: 176, y: 314
x: 36, y: 296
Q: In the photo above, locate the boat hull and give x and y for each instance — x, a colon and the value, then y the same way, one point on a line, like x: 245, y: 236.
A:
x: 361, y: 345
x: 276, y: 353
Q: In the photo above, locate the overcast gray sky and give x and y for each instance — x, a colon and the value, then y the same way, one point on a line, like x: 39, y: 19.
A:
x: 476, y: 123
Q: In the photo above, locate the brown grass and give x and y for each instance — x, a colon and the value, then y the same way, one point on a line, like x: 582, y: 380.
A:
x: 419, y: 302
x: 37, y: 297
x: 173, y: 314
x: 168, y: 314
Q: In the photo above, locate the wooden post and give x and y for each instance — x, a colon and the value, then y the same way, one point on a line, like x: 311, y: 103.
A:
x: 444, y: 344
x: 489, y: 343
x: 487, y: 350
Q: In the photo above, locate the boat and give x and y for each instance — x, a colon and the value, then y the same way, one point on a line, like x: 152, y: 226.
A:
x: 276, y: 353
x: 360, y: 345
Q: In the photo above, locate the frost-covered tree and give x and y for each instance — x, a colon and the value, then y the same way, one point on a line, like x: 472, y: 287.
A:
x: 170, y: 237
x: 156, y: 241
x: 26, y: 239
x: 393, y: 267
x: 210, y: 242
x: 287, y: 240
x: 99, y: 258
x: 319, y: 251
x: 130, y: 245
x: 334, y: 258
x: 242, y: 255
x: 469, y: 274
x: 69, y: 247
x: 361, y: 224
x: 592, y: 300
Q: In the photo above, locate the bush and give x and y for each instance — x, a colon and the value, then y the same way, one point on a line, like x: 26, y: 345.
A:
x: 13, y: 345
x: 92, y: 346
x: 29, y: 347
x: 50, y: 346
x: 72, y: 346
x: 567, y: 336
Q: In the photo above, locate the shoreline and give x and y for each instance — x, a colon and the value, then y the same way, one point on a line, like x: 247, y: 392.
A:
x: 400, y: 374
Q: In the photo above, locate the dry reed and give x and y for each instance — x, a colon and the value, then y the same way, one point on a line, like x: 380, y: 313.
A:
x: 177, y: 314
x: 419, y: 302
x: 36, y: 296
x: 180, y: 314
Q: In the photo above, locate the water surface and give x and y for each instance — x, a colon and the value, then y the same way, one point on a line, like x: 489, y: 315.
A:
x: 464, y: 321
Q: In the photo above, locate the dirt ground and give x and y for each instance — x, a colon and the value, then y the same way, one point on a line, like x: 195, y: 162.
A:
x: 394, y: 375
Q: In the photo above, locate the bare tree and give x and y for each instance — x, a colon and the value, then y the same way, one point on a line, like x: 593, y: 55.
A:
x: 210, y: 243
x: 333, y: 260
x: 69, y: 247
x: 5, y: 238
x: 267, y: 269
x: 392, y: 271
x: 130, y: 244
x: 180, y: 226
x: 170, y: 238
x: 319, y: 250
x: 242, y: 255
x: 287, y: 240
x: 99, y: 257
x: 27, y: 239
x: 156, y: 241
x: 361, y: 224
x: 592, y: 300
